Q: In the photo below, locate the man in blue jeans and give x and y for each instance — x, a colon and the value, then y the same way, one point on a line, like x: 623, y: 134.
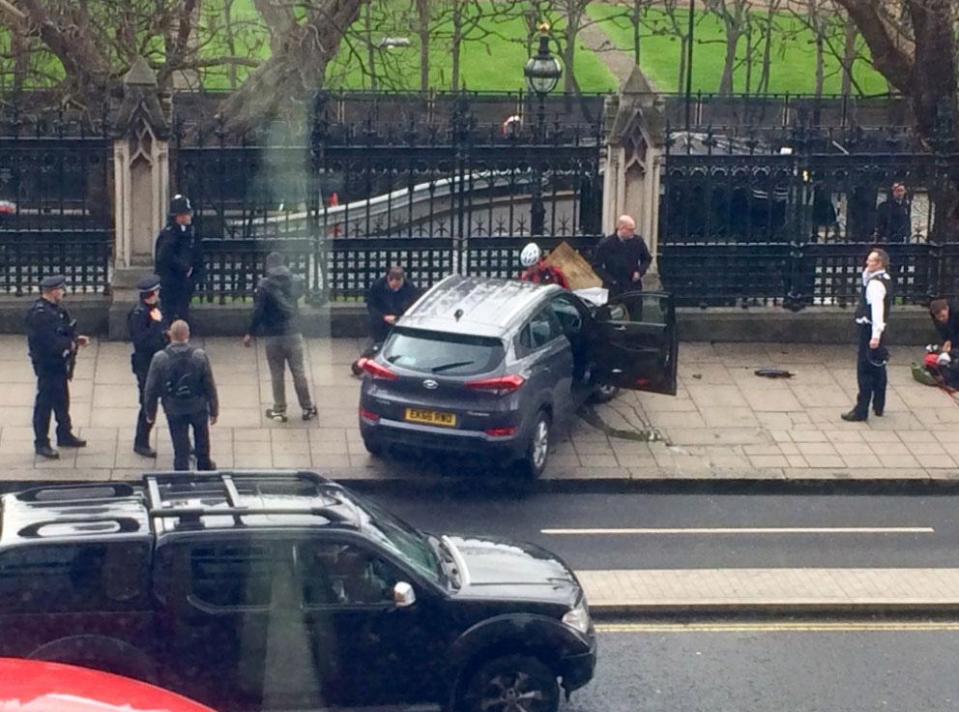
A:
x: 276, y: 317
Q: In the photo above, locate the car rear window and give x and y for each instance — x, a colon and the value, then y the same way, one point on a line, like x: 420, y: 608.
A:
x: 441, y: 353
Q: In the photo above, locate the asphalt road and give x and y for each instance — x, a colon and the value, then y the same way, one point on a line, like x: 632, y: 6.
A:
x: 664, y: 531
x: 771, y: 668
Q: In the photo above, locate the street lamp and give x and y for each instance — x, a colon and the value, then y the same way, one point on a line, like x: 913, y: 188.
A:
x: 542, y: 72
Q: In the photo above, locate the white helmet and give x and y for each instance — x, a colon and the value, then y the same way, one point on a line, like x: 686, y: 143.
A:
x: 530, y: 255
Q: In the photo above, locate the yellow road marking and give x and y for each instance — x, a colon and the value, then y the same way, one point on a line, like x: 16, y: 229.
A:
x: 743, y: 530
x: 780, y: 627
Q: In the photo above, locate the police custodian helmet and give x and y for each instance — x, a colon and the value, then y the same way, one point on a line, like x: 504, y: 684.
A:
x: 180, y: 205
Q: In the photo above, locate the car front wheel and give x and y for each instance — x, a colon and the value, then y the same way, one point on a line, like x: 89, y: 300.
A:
x: 514, y: 683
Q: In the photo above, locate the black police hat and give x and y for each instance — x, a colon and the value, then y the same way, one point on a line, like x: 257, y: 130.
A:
x: 54, y: 281
x: 180, y: 205
x: 150, y: 283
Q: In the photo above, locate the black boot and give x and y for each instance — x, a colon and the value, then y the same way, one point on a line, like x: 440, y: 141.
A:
x: 47, y: 452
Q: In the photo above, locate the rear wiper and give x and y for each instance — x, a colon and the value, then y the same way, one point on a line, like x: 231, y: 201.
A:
x: 447, y: 366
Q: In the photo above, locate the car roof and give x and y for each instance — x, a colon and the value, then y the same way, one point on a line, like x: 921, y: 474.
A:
x: 66, y: 688
x: 169, y: 502
x: 477, y: 306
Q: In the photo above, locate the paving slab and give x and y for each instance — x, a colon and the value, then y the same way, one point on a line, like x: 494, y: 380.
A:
x: 726, y: 422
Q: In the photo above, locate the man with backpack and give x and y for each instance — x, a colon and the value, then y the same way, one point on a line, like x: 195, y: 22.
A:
x: 180, y: 375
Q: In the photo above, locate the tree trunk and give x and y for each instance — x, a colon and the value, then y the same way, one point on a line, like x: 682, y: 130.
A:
x: 763, y: 86
x: 726, y: 83
x: 230, y: 38
x: 683, y: 45
x: 636, y: 19
x: 569, y: 57
x: 423, y: 30
x: 848, y: 56
x: 284, y: 83
x: 457, y: 42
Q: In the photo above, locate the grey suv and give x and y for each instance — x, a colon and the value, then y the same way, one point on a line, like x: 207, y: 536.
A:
x: 490, y: 367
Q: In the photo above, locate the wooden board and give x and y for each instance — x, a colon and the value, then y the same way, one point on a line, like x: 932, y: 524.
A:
x: 577, y: 270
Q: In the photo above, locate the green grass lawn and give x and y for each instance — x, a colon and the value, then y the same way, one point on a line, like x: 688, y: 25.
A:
x: 794, y: 55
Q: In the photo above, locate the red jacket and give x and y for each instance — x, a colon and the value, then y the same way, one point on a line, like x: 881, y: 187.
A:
x: 542, y: 273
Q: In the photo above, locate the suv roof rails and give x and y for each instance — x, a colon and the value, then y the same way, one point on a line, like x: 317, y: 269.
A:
x: 191, y: 515
x: 86, y: 493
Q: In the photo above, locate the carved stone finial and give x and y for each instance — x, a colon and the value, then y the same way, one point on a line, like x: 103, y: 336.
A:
x: 140, y: 74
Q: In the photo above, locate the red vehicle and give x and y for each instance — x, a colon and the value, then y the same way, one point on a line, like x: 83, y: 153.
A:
x: 34, y: 686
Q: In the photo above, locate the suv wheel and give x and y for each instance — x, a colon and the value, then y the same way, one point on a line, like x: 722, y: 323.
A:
x: 514, y: 683
x: 373, y: 447
x: 537, y: 451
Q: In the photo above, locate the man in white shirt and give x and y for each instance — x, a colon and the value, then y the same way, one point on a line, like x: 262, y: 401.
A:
x: 872, y: 312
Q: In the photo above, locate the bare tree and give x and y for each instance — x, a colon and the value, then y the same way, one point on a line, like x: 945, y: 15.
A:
x: 735, y: 16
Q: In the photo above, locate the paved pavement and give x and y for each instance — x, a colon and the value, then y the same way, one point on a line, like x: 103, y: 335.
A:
x: 725, y: 423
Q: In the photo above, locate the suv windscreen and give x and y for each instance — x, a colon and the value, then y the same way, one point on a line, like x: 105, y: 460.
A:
x: 440, y: 353
x: 410, y: 543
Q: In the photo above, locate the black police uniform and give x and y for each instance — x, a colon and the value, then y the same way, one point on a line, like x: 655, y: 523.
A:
x: 871, y: 363
x: 177, y: 253
x: 52, y: 339
x: 148, y: 337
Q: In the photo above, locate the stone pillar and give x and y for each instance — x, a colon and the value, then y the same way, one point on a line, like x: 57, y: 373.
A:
x: 141, y: 170
x: 635, y: 148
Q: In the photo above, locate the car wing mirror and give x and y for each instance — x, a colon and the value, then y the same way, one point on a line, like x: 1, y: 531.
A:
x: 403, y: 595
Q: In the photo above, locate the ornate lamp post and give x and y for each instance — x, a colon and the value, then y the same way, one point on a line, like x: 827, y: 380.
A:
x: 542, y: 72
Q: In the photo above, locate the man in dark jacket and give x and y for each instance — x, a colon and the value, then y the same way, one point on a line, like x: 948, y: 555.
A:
x: 945, y: 317
x: 53, y: 342
x: 894, y: 216
x: 276, y: 317
x: 178, y: 260
x: 622, y: 259
x: 181, y: 376
x: 148, y: 332
x: 386, y: 301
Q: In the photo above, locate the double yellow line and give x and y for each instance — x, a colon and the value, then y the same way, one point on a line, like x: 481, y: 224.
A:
x: 783, y: 627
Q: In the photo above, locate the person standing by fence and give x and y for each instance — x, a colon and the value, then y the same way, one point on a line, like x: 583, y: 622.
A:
x: 872, y: 314
x: 621, y: 259
x: 276, y: 316
x: 894, y: 216
x: 181, y: 376
x: 53, y: 341
x: 148, y: 332
x: 386, y: 301
x: 178, y: 260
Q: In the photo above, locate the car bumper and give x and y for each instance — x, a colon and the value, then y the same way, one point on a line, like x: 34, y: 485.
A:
x: 577, y: 670
x: 404, y: 435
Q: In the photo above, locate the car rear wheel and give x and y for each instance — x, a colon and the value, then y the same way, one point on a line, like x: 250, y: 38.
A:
x: 514, y: 683
x: 373, y: 447
x: 533, y: 463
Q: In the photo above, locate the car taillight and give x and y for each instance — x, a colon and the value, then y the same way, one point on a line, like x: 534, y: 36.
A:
x: 501, y: 432
x: 500, y: 386
x: 377, y: 370
x: 369, y: 416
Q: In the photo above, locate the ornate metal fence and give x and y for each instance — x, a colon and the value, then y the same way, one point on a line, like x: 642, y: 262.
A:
x: 55, y: 202
x: 344, y: 197
x: 767, y: 215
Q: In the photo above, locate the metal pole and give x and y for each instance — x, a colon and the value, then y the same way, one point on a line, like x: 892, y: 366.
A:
x: 689, y: 60
x: 538, y: 211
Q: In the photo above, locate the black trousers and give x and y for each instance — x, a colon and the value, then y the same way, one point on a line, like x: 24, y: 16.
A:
x: 53, y: 396
x: 142, y: 438
x: 175, y: 303
x: 871, y: 378
x: 180, y: 434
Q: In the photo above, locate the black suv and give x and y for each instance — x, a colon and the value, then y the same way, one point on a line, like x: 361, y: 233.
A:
x: 285, y: 590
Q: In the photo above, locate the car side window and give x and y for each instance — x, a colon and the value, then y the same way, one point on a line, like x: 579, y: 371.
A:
x: 538, y: 331
x: 568, y: 315
x: 337, y: 574
x: 231, y: 574
x: 73, y: 577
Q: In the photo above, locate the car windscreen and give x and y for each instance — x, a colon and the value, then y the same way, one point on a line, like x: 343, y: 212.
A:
x: 441, y: 353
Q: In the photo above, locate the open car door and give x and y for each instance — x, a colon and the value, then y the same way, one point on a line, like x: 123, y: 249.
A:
x: 636, y: 345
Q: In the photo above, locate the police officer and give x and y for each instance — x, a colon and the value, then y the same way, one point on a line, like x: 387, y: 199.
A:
x: 181, y: 375
x: 178, y: 260
x: 53, y: 343
x: 872, y: 313
x: 148, y: 332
